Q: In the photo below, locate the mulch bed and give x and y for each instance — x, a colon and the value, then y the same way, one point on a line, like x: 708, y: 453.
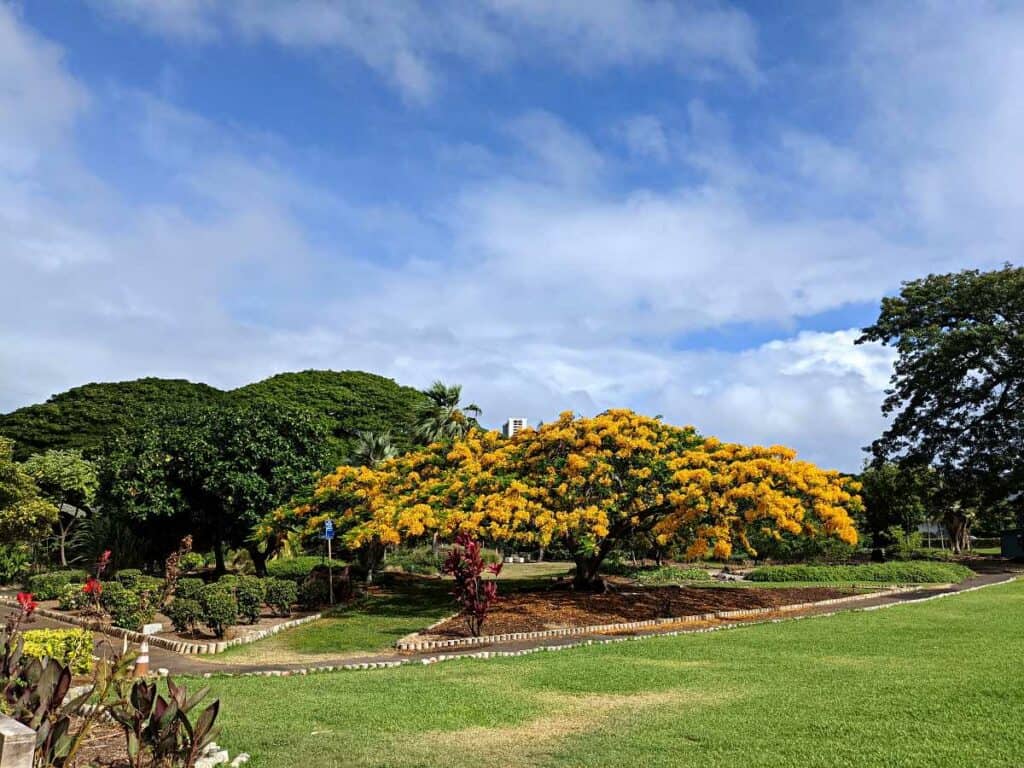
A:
x: 104, y: 745
x: 558, y: 609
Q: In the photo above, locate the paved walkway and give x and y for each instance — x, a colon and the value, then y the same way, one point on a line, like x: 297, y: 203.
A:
x: 179, y: 664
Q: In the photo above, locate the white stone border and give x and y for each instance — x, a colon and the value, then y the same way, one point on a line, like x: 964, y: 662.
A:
x: 416, y: 641
x: 580, y: 644
x: 178, y: 646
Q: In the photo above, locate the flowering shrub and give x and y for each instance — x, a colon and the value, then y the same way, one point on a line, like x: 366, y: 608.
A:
x: 73, y: 598
x: 72, y: 647
x: 475, y: 596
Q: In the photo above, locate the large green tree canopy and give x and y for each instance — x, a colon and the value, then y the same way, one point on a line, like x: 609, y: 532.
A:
x: 69, y: 482
x: 345, y: 403
x: 957, y: 396
x: 211, y: 472
x: 24, y: 513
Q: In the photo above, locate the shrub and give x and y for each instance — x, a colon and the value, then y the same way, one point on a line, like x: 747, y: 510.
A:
x: 281, y: 595
x: 127, y: 576
x: 189, y: 589
x: 126, y: 608
x: 911, y: 572
x: 670, y: 574
x: 15, y: 560
x: 184, y: 614
x: 416, y: 560
x: 149, y: 586
x: 473, y: 595
x: 73, y: 597
x: 192, y: 561
x: 72, y: 647
x: 250, y: 593
x: 294, y: 568
x: 48, y: 586
x: 313, y: 593
x: 220, y: 608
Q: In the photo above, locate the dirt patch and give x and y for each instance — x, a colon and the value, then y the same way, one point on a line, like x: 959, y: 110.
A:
x: 533, y: 740
x: 104, y: 745
x: 559, y: 609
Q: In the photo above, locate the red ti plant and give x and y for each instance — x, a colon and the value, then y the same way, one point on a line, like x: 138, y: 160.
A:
x: 12, y: 638
x: 93, y: 587
x: 474, y: 595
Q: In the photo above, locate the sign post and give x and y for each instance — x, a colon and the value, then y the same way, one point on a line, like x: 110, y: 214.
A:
x: 329, y: 535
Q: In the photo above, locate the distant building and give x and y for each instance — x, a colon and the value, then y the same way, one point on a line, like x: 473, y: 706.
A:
x: 512, y: 426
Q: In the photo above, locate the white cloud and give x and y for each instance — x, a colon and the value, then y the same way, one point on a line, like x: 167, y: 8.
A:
x: 645, y: 138
x: 408, y: 41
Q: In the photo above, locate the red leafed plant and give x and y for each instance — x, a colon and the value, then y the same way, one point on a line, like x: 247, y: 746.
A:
x: 474, y: 595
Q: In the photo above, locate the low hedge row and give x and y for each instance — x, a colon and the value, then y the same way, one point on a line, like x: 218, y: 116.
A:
x: 901, y: 572
x: 72, y: 647
x: 48, y: 586
x: 220, y: 604
x: 670, y: 574
x: 295, y: 568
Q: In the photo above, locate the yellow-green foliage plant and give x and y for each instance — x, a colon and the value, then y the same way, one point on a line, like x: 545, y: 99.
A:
x: 72, y: 647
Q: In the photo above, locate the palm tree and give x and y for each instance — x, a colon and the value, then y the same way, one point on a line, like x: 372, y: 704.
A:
x: 372, y: 448
x: 441, y: 417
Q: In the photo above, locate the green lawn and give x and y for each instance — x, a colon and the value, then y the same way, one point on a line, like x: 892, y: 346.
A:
x: 935, y: 684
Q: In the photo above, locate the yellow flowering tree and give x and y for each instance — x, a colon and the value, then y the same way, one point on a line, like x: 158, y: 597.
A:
x: 587, y: 484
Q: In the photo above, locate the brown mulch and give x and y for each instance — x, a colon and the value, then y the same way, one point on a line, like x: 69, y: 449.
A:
x: 104, y: 745
x: 535, y: 611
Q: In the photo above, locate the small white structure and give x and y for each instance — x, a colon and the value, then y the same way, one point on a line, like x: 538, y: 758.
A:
x: 513, y: 425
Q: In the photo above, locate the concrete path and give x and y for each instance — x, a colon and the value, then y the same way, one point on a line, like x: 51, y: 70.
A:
x: 179, y: 664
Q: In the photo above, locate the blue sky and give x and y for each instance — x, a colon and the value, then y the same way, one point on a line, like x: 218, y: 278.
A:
x: 687, y: 208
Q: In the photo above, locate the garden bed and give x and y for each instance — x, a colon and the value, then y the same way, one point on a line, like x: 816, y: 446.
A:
x: 562, y: 609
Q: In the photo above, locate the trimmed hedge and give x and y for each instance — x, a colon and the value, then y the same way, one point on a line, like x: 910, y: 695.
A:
x: 73, y: 597
x: 189, y: 589
x: 184, y: 614
x: 281, y: 595
x: 250, y: 593
x: 295, y: 568
x: 220, y: 608
x: 127, y: 609
x: 670, y: 574
x: 72, y: 647
x: 48, y: 586
x: 903, y: 572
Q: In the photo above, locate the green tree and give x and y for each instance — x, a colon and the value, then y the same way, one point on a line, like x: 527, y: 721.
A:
x: 24, y: 513
x: 69, y: 482
x: 85, y: 417
x: 957, y: 395
x: 371, y: 448
x: 213, y: 472
x: 442, y: 417
x: 896, y: 496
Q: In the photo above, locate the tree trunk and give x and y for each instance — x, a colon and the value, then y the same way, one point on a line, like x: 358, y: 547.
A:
x: 959, y: 532
x: 369, y: 559
x: 218, y: 554
x: 259, y: 559
x: 63, y: 541
x: 540, y: 555
x: 588, y: 576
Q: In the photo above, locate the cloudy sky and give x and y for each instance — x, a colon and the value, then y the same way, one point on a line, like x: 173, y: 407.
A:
x: 684, y: 207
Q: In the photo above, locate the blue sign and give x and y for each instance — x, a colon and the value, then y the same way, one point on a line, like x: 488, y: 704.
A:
x: 329, y: 530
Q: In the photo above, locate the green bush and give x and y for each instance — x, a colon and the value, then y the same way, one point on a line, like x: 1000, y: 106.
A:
x: 670, y: 574
x: 281, y: 595
x: 184, y: 614
x: 15, y: 560
x: 910, y: 572
x: 415, y: 560
x: 250, y: 593
x: 127, y: 609
x: 189, y: 589
x: 48, y: 586
x: 127, y: 576
x: 220, y: 608
x: 294, y: 568
x: 314, y: 593
x: 72, y: 598
x: 72, y: 647
x: 192, y: 561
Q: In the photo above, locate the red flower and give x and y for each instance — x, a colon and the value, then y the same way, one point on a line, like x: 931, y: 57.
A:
x: 495, y: 568
x: 26, y: 602
x: 93, y: 587
x: 104, y: 561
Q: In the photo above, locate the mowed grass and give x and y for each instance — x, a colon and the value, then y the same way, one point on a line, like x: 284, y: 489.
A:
x: 375, y: 623
x: 933, y: 684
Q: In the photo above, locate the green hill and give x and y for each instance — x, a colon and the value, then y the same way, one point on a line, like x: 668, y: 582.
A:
x: 83, y: 417
x: 346, y: 401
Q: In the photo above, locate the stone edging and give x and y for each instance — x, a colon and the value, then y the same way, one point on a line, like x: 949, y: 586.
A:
x: 415, y: 642
x: 178, y: 646
x: 580, y: 644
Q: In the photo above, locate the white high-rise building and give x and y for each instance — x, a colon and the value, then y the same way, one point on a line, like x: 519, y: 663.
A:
x: 512, y: 426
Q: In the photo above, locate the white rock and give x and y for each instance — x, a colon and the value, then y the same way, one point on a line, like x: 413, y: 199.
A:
x: 242, y: 757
